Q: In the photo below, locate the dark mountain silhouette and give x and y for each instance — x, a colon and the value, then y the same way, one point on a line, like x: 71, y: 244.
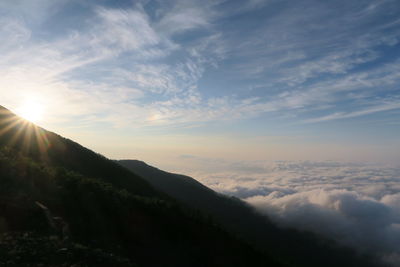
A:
x: 290, y: 246
x: 54, y: 150
x: 62, y: 204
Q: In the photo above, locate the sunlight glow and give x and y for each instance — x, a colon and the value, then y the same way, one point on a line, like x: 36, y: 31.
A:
x: 31, y: 111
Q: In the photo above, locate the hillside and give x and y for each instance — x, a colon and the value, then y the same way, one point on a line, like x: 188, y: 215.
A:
x: 54, y: 150
x: 62, y: 205
x: 290, y: 246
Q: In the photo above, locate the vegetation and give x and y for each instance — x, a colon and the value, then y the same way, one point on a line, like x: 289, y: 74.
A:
x: 30, y: 249
x: 288, y: 245
x: 68, y: 205
x: 62, y: 204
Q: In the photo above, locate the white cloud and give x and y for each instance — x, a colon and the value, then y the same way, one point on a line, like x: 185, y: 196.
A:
x: 126, y: 29
x: 344, y: 115
x: 126, y: 50
x: 315, y: 53
x: 181, y: 16
x: 45, y: 69
x: 183, y: 20
x: 34, y: 12
x: 356, y: 204
x: 13, y: 33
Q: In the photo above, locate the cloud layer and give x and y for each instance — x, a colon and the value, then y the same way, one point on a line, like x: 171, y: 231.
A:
x: 267, y: 67
x: 356, y: 204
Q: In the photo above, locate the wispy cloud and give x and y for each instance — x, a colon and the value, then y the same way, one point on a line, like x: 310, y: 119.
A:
x: 186, y: 15
x: 186, y: 62
x: 344, y: 115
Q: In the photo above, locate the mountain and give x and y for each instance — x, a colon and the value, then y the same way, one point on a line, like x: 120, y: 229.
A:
x: 52, y: 149
x: 290, y: 246
x: 64, y: 205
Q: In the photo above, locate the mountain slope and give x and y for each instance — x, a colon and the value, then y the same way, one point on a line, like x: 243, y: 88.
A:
x: 55, y: 150
x: 61, y: 203
x: 293, y: 247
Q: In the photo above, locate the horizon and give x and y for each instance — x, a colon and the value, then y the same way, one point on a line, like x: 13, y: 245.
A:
x: 230, y: 80
x: 292, y: 107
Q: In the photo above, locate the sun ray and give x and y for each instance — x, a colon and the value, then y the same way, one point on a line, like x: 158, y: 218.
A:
x: 18, y: 132
x: 42, y: 142
x: 21, y: 129
x: 9, y: 124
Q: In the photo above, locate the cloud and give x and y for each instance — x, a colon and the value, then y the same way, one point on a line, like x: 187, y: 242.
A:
x: 14, y: 33
x: 309, y: 50
x: 33, y: 12
x: 124, y: 29
x: 342, y: 115
x: 181, y: 16
x: 160, y: 67
x: 183, y: 20
x: 357, y: 204
x: 71, y: 72
x: 115, y: 59
x: 186, y: 63
x: 347, y: 216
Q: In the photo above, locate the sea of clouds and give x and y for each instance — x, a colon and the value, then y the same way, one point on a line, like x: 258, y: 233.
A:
x: 357, y: 204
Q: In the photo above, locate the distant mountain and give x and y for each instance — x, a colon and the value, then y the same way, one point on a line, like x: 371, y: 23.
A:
x: 64, y: 205
x: 288, y: 245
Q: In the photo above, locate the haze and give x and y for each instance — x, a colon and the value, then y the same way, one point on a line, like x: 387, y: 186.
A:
x: 233, y: 80
x: 292, y: 106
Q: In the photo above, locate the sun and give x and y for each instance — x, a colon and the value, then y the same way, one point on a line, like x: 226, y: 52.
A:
x: 31, y: 111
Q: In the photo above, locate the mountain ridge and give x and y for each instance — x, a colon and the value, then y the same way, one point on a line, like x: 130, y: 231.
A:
x: 57, y: 150
x: 109, y: 211
x: 244, y: 221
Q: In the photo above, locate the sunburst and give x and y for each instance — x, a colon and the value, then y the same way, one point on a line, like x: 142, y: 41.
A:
x: 32, y: 111
x: 21, y: 133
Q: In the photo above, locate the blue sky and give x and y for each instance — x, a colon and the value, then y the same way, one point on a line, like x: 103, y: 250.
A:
x: 259, y: 79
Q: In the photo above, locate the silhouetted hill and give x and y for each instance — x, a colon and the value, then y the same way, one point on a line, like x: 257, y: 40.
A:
x: 62, y: 205
x: 54, y: 150
x: 288, y: 245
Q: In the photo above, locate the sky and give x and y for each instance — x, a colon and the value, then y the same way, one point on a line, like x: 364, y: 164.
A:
x: 293, y: 106
x: 222, y: 79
